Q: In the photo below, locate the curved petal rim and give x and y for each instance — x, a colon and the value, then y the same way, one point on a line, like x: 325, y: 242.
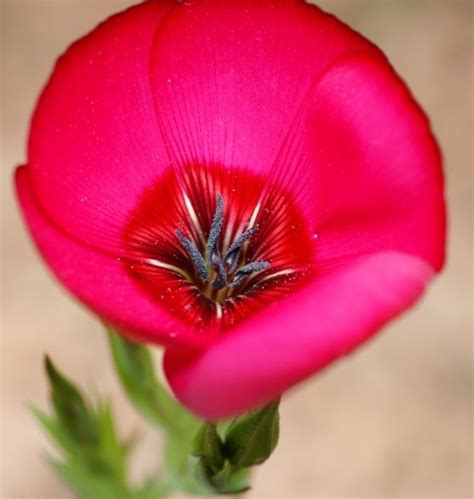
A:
x: 286, y: 344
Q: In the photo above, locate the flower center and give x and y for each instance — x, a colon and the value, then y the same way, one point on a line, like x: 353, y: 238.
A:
x: 215, y: 246
x: 220, y: 273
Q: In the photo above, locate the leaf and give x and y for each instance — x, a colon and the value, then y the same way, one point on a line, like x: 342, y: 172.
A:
x: 111, y: 450
x: 87, y: 483
x: 135, y: 368
x: 252, y: 437
x: 57, y: 433
x: 151, y: 490
x: 70, y: 407
x: 95, y: 464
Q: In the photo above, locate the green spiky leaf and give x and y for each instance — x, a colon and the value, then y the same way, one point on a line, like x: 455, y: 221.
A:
x: 70, y: 407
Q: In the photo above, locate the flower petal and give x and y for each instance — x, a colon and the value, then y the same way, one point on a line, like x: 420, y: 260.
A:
x: 283, y: 89
x: 289, y: 342
x: 94, y: 144
x: 100, y: 280
x: 378, y: 166
x: 230, y: 81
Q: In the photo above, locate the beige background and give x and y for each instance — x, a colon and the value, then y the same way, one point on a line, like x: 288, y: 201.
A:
x: 394, y: 420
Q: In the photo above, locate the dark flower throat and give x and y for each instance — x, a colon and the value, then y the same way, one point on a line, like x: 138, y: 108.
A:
x: 221, y: 272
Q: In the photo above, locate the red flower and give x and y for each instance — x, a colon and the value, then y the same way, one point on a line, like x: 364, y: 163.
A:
x: 247, y: 183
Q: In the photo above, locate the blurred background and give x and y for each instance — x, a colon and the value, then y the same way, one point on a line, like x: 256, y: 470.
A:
x: 393, y: 420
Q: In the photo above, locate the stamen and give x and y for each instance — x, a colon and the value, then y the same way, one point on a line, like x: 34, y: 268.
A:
x: 232, y: 256
x: 196, y: 257
x: 219, y: 311
x: 248, y: 269
x: 162, y: 265
x: 278, y: 274
x: 255, y: 213
x: 216, y: 227
x: 214, y: 266
x: 194, y: 218
x: 221, y: 279
x: 200, y: 241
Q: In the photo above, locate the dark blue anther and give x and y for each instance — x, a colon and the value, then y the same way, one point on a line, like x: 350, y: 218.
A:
x: 196, y: 257
x: 223, y: 266
x: 248, y: 269
x: 221, y: 279
x: 231, y: 258
x: 216, y: 227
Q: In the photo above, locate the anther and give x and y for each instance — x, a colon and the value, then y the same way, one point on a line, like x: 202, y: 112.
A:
x: 196, y: 257
x: 216, y: 226
x: 221, y: 279
x: 248, y: 269
x: 231, y: 258
x: 221, y: 269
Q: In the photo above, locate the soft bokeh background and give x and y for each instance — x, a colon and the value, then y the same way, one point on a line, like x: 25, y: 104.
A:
x: 394, y: 420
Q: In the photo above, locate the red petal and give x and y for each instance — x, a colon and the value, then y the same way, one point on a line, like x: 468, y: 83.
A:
x: 100, y: 280
x: 95, y: 144
x: 230, y: 81
x: 289, y: 341
x: 378, y: 168
x: 277, y: 92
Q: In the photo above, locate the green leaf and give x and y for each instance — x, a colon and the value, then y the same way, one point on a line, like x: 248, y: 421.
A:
x: 57, y: 433
x: 252, y: 437
x: 208, y: 446
x: 88, y: 483
x: 70, y: 407
x: 111, y: 449
x: 135, y: 368
x: 151, y: 490
x: 95, y: 464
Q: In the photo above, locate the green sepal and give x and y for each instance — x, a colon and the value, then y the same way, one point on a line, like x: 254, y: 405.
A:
x: 226, y: 481
x: 252, y: 437
x: 230, y: 481
x: 208, y: 446
x: 226, y: 451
